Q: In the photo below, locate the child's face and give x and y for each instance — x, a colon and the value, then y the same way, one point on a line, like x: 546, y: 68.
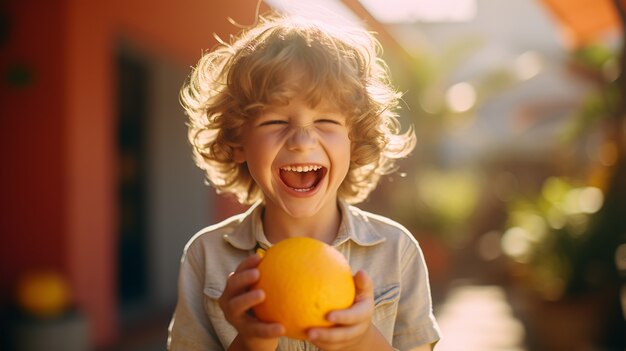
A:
x: 298, y: 156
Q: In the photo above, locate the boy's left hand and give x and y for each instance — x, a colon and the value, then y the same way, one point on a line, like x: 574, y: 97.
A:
x: 352, y: 325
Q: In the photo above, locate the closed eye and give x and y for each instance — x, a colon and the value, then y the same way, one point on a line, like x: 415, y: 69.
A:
x: 273, y: 122
x: 331, y: 121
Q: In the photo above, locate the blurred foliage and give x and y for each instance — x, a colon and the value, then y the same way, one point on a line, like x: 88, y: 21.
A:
x: 598, y: 64
x: 446, y: 200
x: 427, y: 80
x: 559, y: 235
x: 566, y: 235
x: 594, y: 56
x: 443, y: 197
x: 547, y: 232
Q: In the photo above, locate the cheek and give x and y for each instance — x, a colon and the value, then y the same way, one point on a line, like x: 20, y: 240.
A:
x: 337, y: 138
x: 342, y: 151
x: 260, y: 158
x: 346, y: 145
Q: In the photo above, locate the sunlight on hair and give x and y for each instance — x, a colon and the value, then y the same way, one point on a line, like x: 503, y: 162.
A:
x: 333, y: 61
x: 461, y: 97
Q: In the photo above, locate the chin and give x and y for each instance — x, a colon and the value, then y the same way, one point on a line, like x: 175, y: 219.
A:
x: 304, y: 210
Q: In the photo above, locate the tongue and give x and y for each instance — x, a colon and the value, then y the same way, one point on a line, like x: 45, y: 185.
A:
x: 299, y: 180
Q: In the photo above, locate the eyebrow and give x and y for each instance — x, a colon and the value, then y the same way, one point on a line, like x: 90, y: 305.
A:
x: 319, y: 109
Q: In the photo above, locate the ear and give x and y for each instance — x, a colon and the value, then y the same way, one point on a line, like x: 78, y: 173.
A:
x: 239, y: 156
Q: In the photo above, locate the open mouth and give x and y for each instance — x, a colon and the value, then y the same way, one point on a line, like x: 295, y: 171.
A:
x: 302, y: 178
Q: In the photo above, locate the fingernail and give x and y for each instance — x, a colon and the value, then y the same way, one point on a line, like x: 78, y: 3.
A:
x: 275, y: 329
x: 260, y: 294
x: 312, y: 335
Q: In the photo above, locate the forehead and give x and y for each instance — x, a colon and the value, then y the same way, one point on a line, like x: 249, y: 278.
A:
x: 301, y: 103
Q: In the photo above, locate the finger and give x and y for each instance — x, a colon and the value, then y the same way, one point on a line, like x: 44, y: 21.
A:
x: 360, y: 312
x: 238, y: 283
x: 239, y: 305
x: 334, y: 335
x: 249, y: 262
x: 264, y: 330
x: 363, y: 306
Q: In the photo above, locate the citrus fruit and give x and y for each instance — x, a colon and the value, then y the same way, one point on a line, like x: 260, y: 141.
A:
x: 303, y: 279
x: 43, y: 293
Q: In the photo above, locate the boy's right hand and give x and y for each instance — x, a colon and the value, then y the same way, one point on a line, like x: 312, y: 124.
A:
x: 237, y: 300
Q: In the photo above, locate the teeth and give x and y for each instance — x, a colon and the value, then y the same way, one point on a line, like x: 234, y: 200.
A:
x: 307, y: 168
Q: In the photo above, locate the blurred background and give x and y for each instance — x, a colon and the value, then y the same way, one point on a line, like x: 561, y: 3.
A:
x: 516, y: 190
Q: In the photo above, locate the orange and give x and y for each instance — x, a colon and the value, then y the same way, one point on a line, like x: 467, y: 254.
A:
x: 303, y: 279
x: 43, y: 293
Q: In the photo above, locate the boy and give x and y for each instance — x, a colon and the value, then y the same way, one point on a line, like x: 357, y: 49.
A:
x: 297, y: 118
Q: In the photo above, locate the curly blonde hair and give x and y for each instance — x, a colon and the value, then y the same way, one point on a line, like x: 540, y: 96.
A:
x: 339, y: 65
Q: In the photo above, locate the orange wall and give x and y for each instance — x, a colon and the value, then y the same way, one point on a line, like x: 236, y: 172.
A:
x: 90, y: 176
x: 183, y: 31
x: 180, y: 32
x: 32, y: 131
x: 58, y: 149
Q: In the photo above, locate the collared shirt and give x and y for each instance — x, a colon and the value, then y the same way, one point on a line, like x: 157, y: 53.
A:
x: 385, y: 250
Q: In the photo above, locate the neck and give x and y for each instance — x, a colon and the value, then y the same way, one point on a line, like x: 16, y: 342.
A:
x: 322, y: 226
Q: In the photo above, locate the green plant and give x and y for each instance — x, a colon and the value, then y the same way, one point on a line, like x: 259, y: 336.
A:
x: 548, y: 233
x: 567, y: 235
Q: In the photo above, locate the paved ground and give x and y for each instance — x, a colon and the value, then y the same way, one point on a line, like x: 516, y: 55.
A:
x: 478, y: 318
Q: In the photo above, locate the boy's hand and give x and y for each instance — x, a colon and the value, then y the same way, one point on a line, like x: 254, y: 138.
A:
x: 236, y: 302
x: 353, y: 329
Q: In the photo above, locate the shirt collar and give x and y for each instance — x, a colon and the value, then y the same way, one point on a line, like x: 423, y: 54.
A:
x: 244, y: 235
x: 354, y: 226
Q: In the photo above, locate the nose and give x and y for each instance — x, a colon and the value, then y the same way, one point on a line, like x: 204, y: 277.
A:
x: 302, y: 138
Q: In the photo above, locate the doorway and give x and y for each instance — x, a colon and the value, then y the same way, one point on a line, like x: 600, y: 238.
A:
x: 163, y: 200
x: 132, y: 90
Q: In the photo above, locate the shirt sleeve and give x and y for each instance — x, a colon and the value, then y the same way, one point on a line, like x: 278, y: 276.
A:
x: 190, y: 328
x: 415, y: 322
